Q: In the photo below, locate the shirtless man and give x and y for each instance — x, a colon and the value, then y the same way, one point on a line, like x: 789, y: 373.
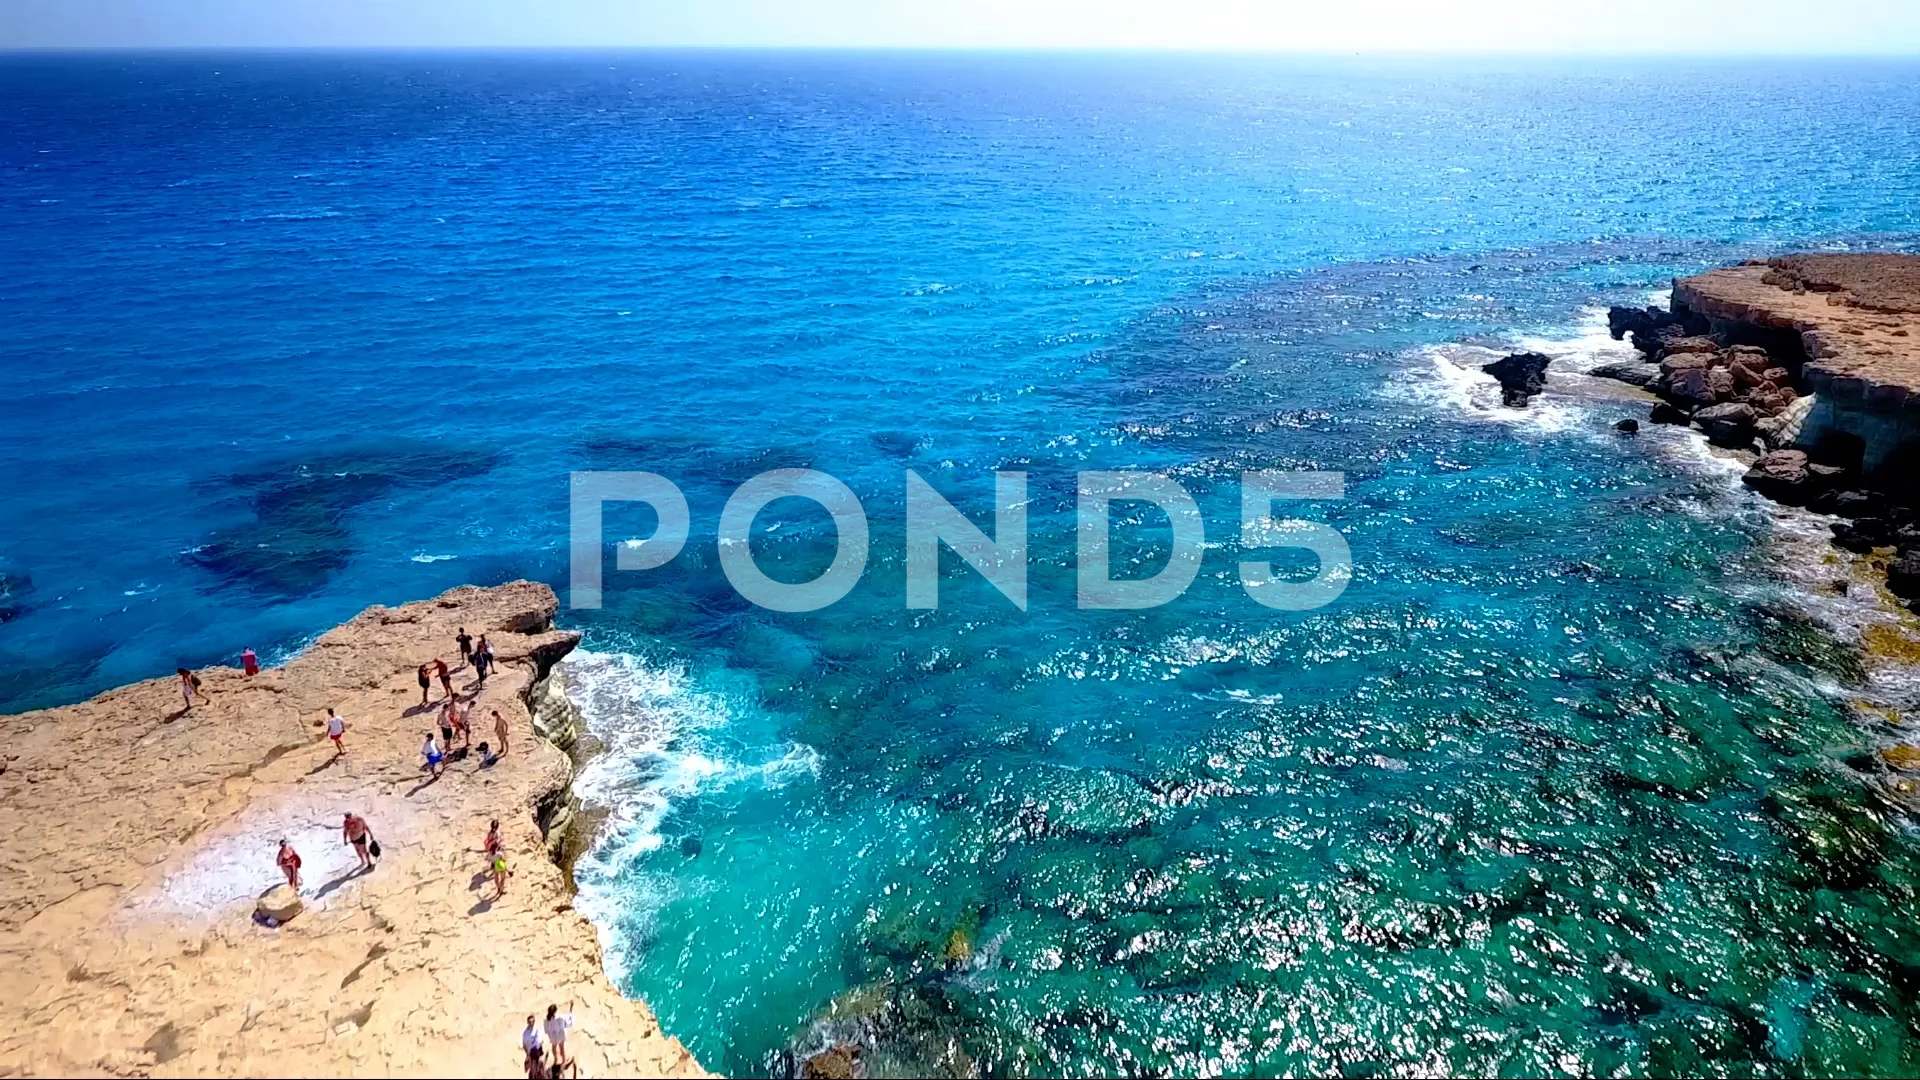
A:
x: 500, y: 730
x: 354, y: 829
x: 446, y: 677
x: 460, y: 726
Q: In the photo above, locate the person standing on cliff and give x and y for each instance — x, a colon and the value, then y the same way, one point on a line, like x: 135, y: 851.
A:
x: 500, y: 730
x: 426, y: 684
x: 465, y: 641
x: 289, y: 861
x: 449, y: 721
x: 249, y: 662
x: 557, y: 1027
x: 431, y: 751
x: 189, y: 688
x: 336, y: 728
x: 483, y: 658
x: 355, y: 830
x: 536, y: 1053
x: 446, y: 678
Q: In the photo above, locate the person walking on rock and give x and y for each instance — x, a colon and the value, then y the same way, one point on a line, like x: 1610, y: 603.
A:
x: 289, y: 861
x: 189, y: 687
x: 500, y: 874
x: 500, y: 731
x: 355, y: 830
x: 336, y: 729
x: 431, y: 751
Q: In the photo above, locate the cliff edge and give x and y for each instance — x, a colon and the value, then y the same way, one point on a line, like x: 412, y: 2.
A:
x: 1849, y: 326
x: 135, y: 839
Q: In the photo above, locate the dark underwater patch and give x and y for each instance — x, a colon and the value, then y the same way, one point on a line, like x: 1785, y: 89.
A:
x: 300, y: 535
x: 14, y: 587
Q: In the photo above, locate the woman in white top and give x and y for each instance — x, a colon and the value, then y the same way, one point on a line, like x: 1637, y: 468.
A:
x: 557, y: 1028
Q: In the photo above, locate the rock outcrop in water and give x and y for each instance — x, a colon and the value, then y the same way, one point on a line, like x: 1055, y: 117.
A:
x: 1521, y: 376
x: 1813, y: 362
x: 137, y: 840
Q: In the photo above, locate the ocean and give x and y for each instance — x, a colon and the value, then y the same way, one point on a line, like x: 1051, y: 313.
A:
x: 1567, y: 781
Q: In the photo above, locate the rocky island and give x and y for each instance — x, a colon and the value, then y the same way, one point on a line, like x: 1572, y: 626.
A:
x: 1812, y: 362
x: 137, y: 839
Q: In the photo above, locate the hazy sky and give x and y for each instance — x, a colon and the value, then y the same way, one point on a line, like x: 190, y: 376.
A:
x: 1661, y: 26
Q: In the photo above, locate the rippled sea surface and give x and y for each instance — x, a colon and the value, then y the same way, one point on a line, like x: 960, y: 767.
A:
x: 1559, y: 784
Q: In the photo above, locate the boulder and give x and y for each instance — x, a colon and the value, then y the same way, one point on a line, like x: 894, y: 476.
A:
x: 1701, y: 386
x: 1674, y: 363
x: 834, y: 1063
x: 1727, y: 425
x: 1747, y: 375
x: 1647, y: 325
x: 280, y: 903
x: 1634, y: 372
x: 1629, y: 426
x: 1855, y: 504
x: 1720, y: 383
x: 1783, y: 476
x: 1903, y: 575
x: 1667, y: 413
x: 1622, y: 321
x: 1700, y: 346
x: 1521, y: 376
x: 1902, y: 757
x: 1769, y: 400
x: 1860, y: 536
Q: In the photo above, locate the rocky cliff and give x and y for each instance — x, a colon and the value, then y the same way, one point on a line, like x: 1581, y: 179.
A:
x: 136, y: 836
x: 1846, y: 326
x: 1811, y: 362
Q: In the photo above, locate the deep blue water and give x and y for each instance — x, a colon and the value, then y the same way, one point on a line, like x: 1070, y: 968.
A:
x: 1558, y: 785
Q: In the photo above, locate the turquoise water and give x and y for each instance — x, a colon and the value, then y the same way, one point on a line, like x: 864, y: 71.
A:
x: 1559, y: 785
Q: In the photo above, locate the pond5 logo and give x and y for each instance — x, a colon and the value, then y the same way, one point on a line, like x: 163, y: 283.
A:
x: 1001, y: 558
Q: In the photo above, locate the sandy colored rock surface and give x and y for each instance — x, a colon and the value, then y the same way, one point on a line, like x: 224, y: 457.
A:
x: 1858, y: 316
x: 136, y: 840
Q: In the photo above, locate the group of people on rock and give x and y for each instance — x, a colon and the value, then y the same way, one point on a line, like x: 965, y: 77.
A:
x: 453, y: 720
x: 354, y: 832
x: 541, y: 1065
x: 545, y: 1044
x: 190, y: 681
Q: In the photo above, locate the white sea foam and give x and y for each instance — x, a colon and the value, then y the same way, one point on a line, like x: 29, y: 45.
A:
x: 667, y: 738
x: 1799, y: 564
x: 1448, y: 377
